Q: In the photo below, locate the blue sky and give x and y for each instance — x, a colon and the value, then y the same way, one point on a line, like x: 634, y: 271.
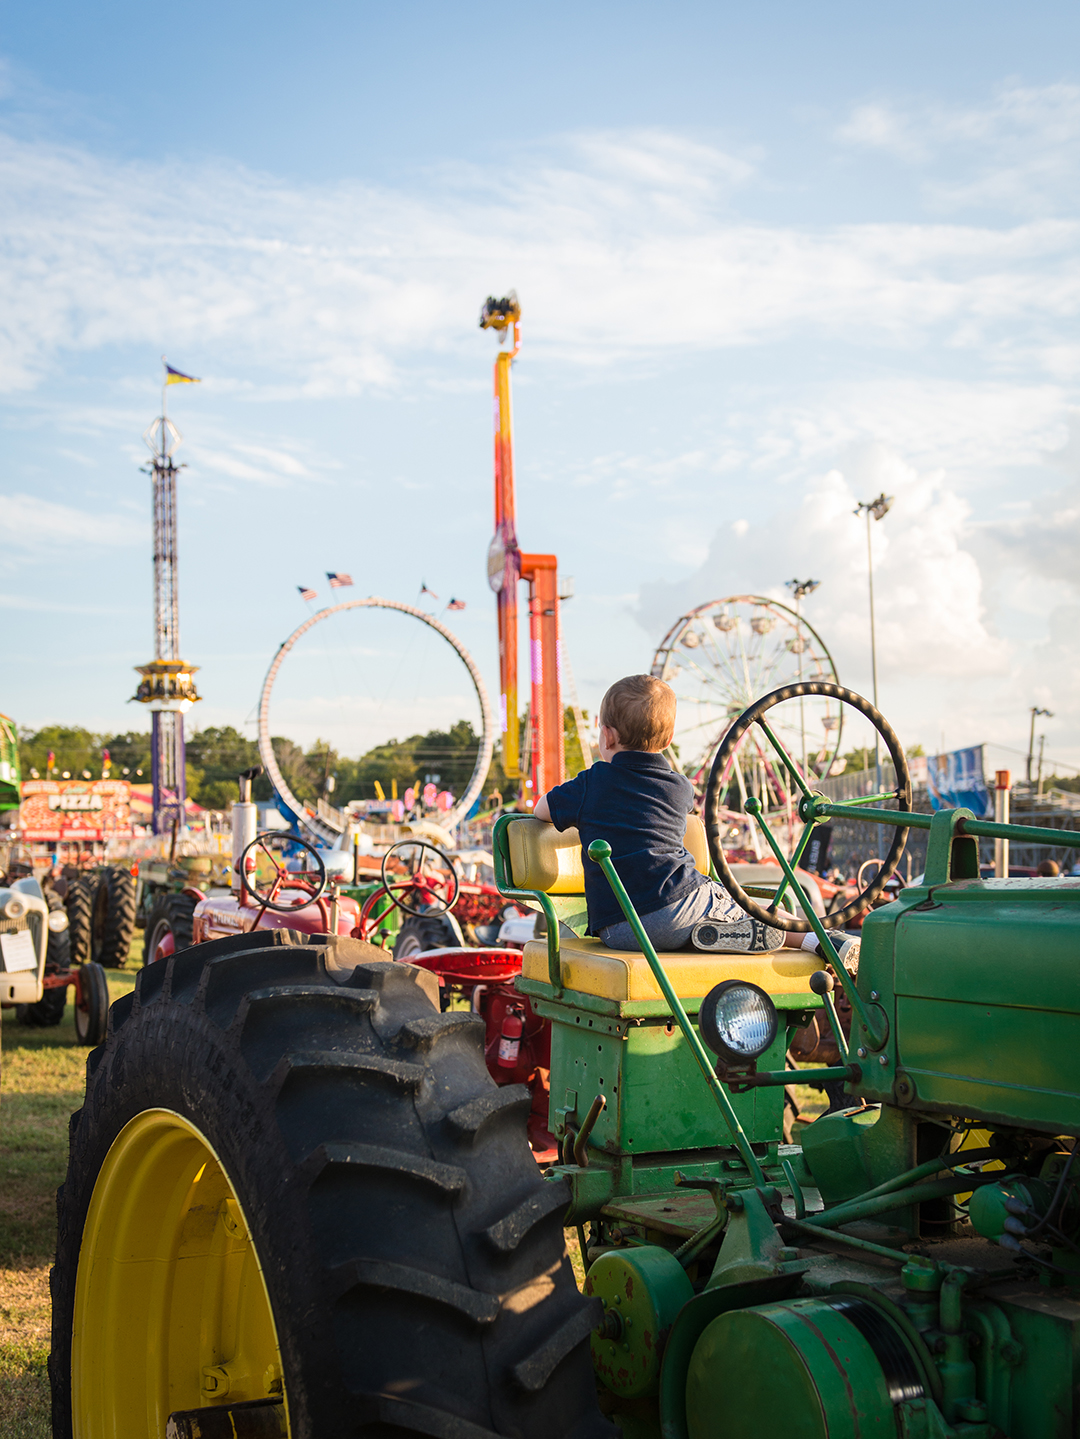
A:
x: 772, y: 259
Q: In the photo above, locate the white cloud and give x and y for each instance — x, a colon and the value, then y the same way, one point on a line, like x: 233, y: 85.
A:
x: 1020, y: 152
x: 625, y: 238
x: 35, y: 524
x: 933, y: 631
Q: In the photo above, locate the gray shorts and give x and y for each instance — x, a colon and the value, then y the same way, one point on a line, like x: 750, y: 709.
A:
x: 670, y: 928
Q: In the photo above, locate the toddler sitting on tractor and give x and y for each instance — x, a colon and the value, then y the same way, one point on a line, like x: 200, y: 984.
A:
x: 638, y: 803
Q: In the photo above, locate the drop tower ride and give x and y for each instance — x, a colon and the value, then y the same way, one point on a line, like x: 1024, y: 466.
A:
x: 167, y: 686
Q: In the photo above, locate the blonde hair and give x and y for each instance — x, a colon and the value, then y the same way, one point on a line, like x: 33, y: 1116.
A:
x: 641, y: 710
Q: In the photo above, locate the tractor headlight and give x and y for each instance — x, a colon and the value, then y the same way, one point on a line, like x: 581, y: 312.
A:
x: 15, y: 907
x: 738, y: 1021
x: 57, y: 921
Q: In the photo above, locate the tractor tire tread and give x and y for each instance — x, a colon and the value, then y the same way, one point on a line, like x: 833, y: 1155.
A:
x: 507, y: 1233
x: 79, y: 905
x: 119, y: 929
x: 445, y: 1177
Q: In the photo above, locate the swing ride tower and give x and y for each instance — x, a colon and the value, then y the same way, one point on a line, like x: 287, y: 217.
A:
x: 167, y: 686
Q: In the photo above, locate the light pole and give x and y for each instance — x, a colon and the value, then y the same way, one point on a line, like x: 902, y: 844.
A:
x: 876, y: 509
x: 799, y: 591
x: 1035, y: 713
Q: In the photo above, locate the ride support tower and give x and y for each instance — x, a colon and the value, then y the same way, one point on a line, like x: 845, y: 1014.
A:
x: 167, y: 685
x: 542, y: 767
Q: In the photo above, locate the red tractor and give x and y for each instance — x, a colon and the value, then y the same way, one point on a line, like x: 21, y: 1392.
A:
x: 281, y: 882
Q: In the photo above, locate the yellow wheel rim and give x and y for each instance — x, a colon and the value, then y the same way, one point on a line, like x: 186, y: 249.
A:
x: 171, y: 1308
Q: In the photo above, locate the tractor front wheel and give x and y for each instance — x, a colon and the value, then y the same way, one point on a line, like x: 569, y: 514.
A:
x: 46, y: 1012
x: 324, y: 1207
x: 170, y: 914
x: 420, y: 932
x: 91, y: 1004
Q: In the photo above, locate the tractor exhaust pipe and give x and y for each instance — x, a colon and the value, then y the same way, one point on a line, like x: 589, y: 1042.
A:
x: 245, y: 817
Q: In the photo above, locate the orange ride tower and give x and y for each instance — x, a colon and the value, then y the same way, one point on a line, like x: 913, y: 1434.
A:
x: 506, y: 566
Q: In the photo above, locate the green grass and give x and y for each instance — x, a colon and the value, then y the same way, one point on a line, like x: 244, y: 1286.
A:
x: 43, y: 1080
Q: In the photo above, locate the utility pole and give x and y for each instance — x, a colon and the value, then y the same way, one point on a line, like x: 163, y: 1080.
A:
x: 167, y: 685
x: 874, y: 509
x: 1035, y: 712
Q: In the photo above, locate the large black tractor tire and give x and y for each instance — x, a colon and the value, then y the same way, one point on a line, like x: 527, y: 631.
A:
x: 170, y: 914
x: 80, y: 909
x: 413, y: 1259
x: 114, y: 918
x: 419, y: 932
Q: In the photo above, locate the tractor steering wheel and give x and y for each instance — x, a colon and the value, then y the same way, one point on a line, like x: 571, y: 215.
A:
x: 420, y: 880
x: 310, y: 881
x: 786, y: 778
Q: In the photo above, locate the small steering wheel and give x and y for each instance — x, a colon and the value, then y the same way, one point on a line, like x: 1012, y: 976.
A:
x: 310, y: 881
x: 788, y: 774
x: 420, y: 881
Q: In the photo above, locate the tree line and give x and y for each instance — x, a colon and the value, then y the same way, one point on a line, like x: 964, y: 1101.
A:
x: 216, y: 755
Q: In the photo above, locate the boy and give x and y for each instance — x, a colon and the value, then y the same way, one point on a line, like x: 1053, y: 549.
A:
x: 639, y: 804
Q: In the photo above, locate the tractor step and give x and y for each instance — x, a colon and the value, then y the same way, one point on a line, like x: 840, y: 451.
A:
x: 681, y: 1213
x: 253, y: 1419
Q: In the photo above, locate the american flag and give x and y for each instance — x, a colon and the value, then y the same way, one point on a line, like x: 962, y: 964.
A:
x: 456, y: 605
x: 337, y: 581
x: 425, y: 591
x: 305, y: 593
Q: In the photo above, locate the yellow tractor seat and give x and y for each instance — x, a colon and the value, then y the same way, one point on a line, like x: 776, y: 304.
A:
x: 622, y: 976
x: 542, y: 857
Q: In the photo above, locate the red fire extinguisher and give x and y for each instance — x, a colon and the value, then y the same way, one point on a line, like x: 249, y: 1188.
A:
x: 513, y: 1026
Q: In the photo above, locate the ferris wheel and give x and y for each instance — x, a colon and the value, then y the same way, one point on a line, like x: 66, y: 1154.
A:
x: 722, y: 656
x: 324, y: 823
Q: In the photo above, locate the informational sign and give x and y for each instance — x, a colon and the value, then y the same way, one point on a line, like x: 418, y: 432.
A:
x: 17, y: 951
x: 956, y: 781
x: 75, y: 809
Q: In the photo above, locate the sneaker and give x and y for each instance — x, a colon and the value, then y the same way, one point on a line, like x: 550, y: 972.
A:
x: 736, y: 936
x: 849, y: 956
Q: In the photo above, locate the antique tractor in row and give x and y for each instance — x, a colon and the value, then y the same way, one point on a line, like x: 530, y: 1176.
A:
x: 36, y: 963
x: 297, y: 1204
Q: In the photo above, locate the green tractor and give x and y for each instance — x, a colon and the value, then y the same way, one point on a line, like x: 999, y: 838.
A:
x: 10, y: 776
x: 297, y: 1204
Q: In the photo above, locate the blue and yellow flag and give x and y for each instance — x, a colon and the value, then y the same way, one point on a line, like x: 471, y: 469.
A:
x: 177, y: 377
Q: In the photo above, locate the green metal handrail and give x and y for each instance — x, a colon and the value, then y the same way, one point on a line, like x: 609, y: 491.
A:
x: 814, y: 810
x: 504, y: 883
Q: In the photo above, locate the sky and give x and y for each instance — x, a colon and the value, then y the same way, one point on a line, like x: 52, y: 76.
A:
x: 772, y: 260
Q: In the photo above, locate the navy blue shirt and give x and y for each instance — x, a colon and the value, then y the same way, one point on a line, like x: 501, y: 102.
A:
x: 639, y: 804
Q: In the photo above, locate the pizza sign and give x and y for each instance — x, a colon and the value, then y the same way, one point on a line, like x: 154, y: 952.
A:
x: 59, y: 809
